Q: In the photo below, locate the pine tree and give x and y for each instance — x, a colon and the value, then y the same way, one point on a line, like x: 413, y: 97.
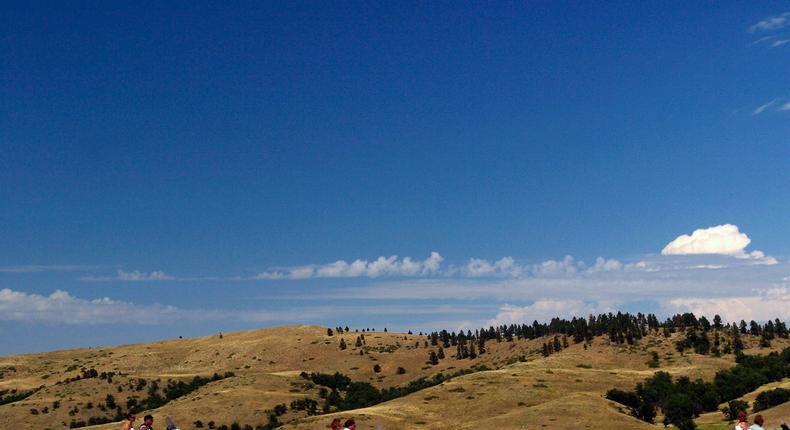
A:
x: 472, y: 352
x: 441, y: 353
x: 342, y: 344
x: 717, y: 322
x: 358, y: 343
x: 329, y: 332
x: 433, y: 359
x: 546, y: 350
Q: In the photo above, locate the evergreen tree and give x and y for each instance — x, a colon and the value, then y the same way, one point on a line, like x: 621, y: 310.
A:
x: 441, y: 353
x: 342, y: 344
x: 717, y: 322
x: 433, y: 358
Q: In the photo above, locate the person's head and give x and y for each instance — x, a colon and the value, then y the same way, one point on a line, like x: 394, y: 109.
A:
x: 758, y: 419
x: 336, y: 424
x: 742, y: 416
x: 148, y: 420
x: 350, y: 424
x: 130, y: 417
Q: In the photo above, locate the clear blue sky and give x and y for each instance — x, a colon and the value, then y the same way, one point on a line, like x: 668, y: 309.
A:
x: 167, y: 154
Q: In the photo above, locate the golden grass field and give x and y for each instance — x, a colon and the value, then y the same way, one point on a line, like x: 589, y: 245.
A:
x: 565, y: 390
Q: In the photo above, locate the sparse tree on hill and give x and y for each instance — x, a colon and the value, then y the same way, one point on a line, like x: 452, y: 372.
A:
x: 329, y: 332
x: 432, y: 358
x: 377, y: 368
x: 441, y: 353
x: 342, y: 344
x: 717, y: 322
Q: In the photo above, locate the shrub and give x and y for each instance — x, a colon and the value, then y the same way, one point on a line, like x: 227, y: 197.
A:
x: 770, y: 398
x: 733, y: 407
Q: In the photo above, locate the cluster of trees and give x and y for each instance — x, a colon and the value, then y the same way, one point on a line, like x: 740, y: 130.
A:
x: 620, y: 328
x: 156, y: 398
x: 13, y: 395
x: 681, y: 400
x: 341, y: 393
x: 555, y: 345
x: 771, y: 398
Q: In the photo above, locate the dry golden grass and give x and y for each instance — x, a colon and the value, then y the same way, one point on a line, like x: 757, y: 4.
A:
x: 564, y: 390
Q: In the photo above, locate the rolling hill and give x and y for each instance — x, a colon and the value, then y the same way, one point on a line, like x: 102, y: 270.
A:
x: 241, y: 377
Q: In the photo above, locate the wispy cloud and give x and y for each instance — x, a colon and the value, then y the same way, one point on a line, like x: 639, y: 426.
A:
x: 780, y: 42
x: 40, y: 268
x: 785, y: 107
x: 771, y: 23
x: 762, y: 108
x: 133, y: 276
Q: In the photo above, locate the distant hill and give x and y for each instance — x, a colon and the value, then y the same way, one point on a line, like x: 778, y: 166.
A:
x: 242, y: 377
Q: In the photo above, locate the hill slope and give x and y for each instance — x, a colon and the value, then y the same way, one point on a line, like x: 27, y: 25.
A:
x: 520, y: 389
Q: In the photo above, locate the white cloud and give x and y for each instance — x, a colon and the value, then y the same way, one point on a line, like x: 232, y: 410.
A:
x: 544, y: 310
x: 567, y: 265
x: 133, y: 276
x: 723, y: 239
x: 785, y: 107
x: 778, y: 43
x: 762, y: 108
x: 764, y: 304
x: 720, y: 239
x: 771, y: 23
x: 382, y: 266
x: 505, y: 266
x: 604, y: 265
x: 61, y: 307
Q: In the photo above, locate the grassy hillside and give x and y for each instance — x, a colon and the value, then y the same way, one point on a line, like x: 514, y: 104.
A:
x: 521, y: 389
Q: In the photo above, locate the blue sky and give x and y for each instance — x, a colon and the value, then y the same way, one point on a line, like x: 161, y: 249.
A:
x: 166, y: 170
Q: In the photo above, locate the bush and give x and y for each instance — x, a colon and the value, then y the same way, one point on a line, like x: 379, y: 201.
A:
x: 733, y: 407
x: 771, y: 398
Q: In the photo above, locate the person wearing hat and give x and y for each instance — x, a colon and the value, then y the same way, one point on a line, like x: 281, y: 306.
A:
x: 128, y: 424
x: 336, y: 424
x: 350, y: 424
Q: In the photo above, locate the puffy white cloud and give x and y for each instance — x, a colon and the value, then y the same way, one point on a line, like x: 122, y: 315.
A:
x: 505, y: 266
x: 544, y: 310
x: 61, y: 307
x: 567, y: 265
x: 382, y: 266
x: 604, y: 265
x: 723, y: 239
x: 771, y: 23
